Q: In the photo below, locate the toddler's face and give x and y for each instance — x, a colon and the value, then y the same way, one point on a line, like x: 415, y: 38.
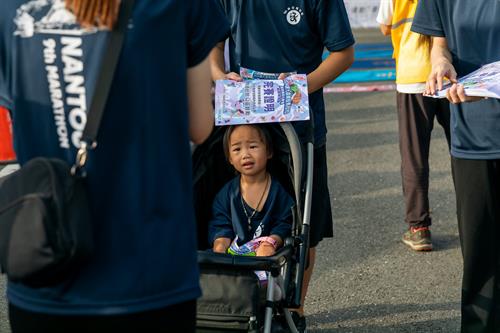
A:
x: 247, y: 151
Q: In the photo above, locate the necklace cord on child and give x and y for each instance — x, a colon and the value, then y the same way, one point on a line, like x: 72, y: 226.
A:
x: 249, y: 217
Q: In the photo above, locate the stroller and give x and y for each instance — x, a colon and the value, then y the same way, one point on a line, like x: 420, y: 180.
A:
x: 233, y: 299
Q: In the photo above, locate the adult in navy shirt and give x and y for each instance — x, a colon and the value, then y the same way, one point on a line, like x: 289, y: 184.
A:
x: 461, y: 44
x: 143, y: 276
x: 282, y: 36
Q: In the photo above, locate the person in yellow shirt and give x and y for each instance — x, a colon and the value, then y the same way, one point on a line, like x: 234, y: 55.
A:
x: 416, y: 115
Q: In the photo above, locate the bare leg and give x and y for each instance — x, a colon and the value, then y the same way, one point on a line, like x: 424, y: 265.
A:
x: 307, y: 278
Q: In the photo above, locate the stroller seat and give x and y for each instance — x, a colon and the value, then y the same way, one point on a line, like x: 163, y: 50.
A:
x: 234, y: 300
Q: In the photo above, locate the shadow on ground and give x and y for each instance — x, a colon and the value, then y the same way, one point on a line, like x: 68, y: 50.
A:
x: 382, y: 317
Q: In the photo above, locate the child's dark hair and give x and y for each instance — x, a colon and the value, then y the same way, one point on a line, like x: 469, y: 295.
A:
x: 264, y: 134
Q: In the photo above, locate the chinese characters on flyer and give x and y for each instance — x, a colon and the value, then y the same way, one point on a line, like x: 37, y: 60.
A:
x: 261, y: 98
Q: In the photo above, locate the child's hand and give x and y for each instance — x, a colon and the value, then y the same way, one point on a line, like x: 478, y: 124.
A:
x: 265, y: 249
x: 221, y: 245
x: 220, y: 249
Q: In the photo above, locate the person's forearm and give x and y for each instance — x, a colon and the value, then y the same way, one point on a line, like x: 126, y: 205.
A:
x: 201, y: 116
x: 221, y: 244
x: 217, y: 62
x: 385, y: 29
x: 334, y: 65
x: 442, y: 67
x: 440, y: 52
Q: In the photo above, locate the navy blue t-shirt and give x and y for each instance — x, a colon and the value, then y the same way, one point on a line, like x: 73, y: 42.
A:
x: 139, y: 177
x: 288, y: 35
x: 474, y: 40
x: 229, y: 218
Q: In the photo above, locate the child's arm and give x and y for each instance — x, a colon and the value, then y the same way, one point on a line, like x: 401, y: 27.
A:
x: 334, y: 65
x: 217, y: 65
x: 282, y: 218
x: 221, y: 244
x: 220, y: 225
x: 268, y: 248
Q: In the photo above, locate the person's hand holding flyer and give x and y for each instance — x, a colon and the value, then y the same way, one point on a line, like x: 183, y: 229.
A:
x: 261, y: 98
x: 484, y: 82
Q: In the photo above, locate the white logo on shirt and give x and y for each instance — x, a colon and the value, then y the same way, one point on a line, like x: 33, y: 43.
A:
x: 293, y: 15
x: 47, y: 17
x: 68, y: 94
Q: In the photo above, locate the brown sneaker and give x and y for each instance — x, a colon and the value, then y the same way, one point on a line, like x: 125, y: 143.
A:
x: 418, y: 239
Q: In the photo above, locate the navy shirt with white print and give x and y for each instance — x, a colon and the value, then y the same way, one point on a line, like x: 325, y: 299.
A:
x: 139, y: 177
x: 281, y: 36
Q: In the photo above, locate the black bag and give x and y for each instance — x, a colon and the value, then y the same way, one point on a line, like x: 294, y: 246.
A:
x: 45, y: 227
x: 45, y: 222
x: 231, y: 301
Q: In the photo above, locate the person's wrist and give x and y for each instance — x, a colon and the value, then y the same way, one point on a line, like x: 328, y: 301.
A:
x: 269, y: 241
x: 442, y: 62
x: 218, y: 74
x: 221, y: 76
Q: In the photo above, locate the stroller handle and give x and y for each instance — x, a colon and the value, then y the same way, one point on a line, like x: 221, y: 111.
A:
x: 272, y: 263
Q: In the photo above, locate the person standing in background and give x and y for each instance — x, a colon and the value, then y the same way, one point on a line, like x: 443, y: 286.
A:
x: 416, y: 115
x: 466, y: 35
x: 282, y: 36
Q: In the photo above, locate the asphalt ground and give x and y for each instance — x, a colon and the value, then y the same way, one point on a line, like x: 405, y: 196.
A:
x: 366, y: 280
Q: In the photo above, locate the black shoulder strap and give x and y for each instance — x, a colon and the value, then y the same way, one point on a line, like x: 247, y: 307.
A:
x: 106, y: 73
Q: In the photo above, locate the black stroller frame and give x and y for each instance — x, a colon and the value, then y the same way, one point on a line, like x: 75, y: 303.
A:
x: 286, y: 267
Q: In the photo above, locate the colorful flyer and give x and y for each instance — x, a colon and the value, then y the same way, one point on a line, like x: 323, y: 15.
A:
x: 261, y: 101
x: 248, y: 249
x: 483, y: 82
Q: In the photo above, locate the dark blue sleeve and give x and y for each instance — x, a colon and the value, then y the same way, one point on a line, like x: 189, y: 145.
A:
x: 206, y: 25
x: 5, y: 35
x: 427, y: 19
x: 333, y: 25
x: 282, y: 224
x: 220, y: 225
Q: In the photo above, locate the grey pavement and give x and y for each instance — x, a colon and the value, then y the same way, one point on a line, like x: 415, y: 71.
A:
x: 366, y: 280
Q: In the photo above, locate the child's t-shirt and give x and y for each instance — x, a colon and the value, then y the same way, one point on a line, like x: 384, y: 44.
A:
x: 286, y: 36
x: 229, y: 219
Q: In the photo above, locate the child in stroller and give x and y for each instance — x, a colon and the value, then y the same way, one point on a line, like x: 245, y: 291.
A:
x: 231, y: 298
x: 252, y: 213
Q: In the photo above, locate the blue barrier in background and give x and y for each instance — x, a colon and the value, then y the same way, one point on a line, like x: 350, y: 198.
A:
x: 372, y: 62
